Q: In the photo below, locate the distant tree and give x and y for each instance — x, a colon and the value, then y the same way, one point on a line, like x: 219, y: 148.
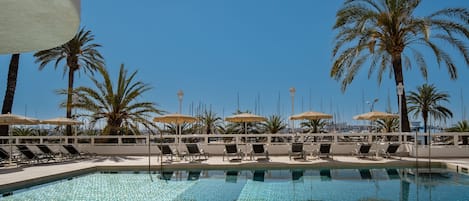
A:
x: 313, y: 126
x: 387, y: 125
x: 274, y: 124
x: 386, y: 36
x: 79, y: 53
x: 426, y: 102
x: 461, y: 126
x: 10, y: 90
x: 117, y: 104
x: 209, y: 121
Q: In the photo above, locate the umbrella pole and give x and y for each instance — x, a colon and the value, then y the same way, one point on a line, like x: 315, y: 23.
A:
x: 245, y: 128
x: 11, y: 145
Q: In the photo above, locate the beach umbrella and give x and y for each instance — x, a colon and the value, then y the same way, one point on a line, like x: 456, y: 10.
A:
x: 12, y: 119
x: 375, y: 115
x: 61, y: 121
x: 245, y: 118
x: 310, y: 115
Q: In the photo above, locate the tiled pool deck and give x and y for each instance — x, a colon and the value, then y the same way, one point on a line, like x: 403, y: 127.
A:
x: 10, y: 177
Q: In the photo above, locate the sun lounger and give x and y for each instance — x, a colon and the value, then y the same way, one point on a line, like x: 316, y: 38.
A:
x: 325, y: 174
x: 258, y: 149
x: 75, y: 153
x: 232, y: 150
x: 363, y: 150
x: 325, y: 150
x: 390, y: 150
x: 30, y: 156
x: 296, y: 150
x: 365, y: 174
x: 194, y: 152
x: 297, y: 175
x: 166, y: 175
x: 4, y: 156
x: 48, y: 152
x: 165, y: 150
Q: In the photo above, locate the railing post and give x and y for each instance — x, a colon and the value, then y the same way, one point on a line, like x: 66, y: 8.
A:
x: 456, y: 140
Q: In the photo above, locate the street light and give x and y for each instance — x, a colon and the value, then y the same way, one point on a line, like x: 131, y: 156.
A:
x: 180, y: 96
x: 372, y: 104
x: 292, y: 94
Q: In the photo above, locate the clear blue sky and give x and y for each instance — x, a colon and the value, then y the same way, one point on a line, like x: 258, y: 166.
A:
x: 215, y: 49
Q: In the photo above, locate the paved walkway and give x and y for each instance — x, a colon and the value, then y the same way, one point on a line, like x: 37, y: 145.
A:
x: 12, y: 177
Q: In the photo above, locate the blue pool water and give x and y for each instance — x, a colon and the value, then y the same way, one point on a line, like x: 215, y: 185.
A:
x: 229, y: 185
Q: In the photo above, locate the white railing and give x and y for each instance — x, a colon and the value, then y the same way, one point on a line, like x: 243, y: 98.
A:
x: 343, y: 143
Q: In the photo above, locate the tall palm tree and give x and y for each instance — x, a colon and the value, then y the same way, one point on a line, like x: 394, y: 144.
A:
x: 209, y: 121
x: 426, y: 101
x: 117, y: 104
x: 10, y: 90
x: 79, y: 53
x: 274, y: 124
x: 313, y: 126
x: 385, y: 35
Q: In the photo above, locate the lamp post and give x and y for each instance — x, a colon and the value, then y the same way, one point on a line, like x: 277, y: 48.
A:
x: 292, y: 94
x: 180, y: 96
x: 400, y: 92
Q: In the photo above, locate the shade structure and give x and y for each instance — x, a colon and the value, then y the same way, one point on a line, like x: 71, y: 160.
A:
x: 374, y: 115
x: 311, y: 115
x: 61, y: 121
x: 12, y: 119
x: 175, y: 118
x: 245, y: 118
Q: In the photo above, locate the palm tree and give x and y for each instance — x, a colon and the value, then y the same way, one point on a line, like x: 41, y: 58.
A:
x: 461, y: 126
x: 209, y: 121
x: 387, y: 125
x: 425, y: 101
x: 313, y: 126
x: 10, y: 90
x: 274, y: 124
x: 79, y: 53
x: 117, y: 104
x: 385, y: 34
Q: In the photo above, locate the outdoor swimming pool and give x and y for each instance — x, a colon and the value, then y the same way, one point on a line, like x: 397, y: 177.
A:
x: 284, y: 184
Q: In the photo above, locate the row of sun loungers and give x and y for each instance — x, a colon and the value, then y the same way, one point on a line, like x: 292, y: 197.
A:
x: 27, y: 156
x: 259, y: 151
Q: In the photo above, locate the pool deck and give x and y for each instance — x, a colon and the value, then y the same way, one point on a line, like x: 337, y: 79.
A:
x: 13, y: 177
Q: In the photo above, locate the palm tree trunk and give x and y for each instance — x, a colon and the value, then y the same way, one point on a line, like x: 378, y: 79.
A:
x: 425, y: 124
x: 10, y: 90
x: 399, y: 78
x: 71, y: 73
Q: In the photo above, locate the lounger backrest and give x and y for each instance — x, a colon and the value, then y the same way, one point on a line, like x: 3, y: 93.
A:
x: 365, y: 174
x: 3, y: 154
x: 166, y: 175
x: 297, y: 147
x: 231, y: 176
x: 71, y: 149
x: 44, y: 148
x: 231, y: 148
x: 325, y: 148
x: 392, y: 148
x: 165, y: 149
x: 365, y: 148
x: 26, y: 152
x: 258, y: 148
x: 258, y: 175
x: 193, y: 148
